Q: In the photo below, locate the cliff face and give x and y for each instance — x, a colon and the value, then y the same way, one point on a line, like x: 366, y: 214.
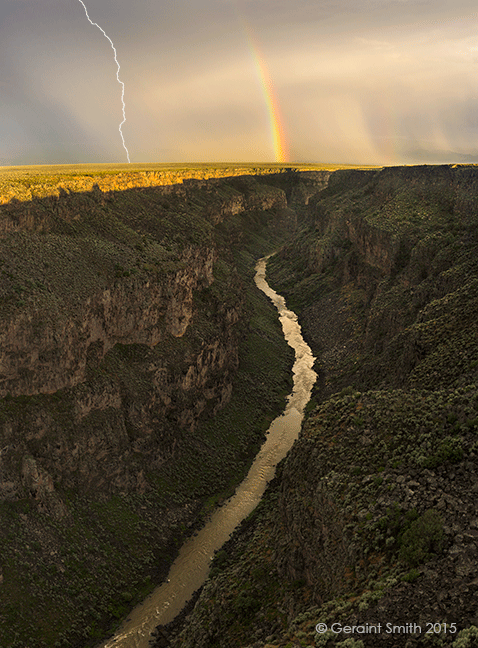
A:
x: 42, y: 352
x: 372, y: 517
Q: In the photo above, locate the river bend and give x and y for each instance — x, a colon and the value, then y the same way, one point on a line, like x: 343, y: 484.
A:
x: 190, y: 569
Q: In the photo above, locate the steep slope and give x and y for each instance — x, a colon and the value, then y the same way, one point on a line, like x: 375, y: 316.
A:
x: 134, y: 355
x: 372, y: 518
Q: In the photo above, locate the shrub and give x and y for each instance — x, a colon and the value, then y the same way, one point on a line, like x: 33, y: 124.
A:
x: 423, y: 537
x: 466, y: 638
x: 450, y: 450
x: 246, y: 604
x: 412, y: 576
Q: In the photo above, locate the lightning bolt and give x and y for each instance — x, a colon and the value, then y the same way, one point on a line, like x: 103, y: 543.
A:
x: 117, y: 76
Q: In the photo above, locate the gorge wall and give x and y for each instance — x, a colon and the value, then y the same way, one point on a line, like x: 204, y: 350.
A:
x: 372, y: 518
x: 139, y: 368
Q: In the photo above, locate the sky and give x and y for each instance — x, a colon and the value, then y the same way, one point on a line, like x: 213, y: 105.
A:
x: 331, y: 81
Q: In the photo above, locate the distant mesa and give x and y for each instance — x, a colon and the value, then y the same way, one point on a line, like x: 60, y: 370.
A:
x: 441, y: 157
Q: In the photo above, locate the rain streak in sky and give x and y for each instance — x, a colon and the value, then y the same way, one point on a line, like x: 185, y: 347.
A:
x: 379, y: 81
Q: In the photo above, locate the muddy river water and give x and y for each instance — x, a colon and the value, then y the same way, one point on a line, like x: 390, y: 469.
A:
x: 191, y: 567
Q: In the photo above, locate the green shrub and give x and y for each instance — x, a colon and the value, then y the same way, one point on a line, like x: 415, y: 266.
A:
x: 351, y: 643
x: 246, y: 603
x: 412, y: 576
x: 467, y: 638
x: 423, y: 537
x: 449, y: 450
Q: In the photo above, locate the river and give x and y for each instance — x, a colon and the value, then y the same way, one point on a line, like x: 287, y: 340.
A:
x: 190, y: 569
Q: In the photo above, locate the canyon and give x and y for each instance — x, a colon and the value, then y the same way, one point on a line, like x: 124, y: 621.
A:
x: 140, y: 369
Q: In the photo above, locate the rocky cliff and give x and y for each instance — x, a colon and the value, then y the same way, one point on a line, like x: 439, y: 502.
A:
x: 132, y: 393
x: 372, y: 519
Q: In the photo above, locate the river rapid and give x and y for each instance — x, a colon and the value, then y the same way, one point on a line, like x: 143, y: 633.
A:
x: 190, y: 569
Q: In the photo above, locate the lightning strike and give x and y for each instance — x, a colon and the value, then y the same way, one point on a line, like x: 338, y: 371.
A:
x: 117, y: 76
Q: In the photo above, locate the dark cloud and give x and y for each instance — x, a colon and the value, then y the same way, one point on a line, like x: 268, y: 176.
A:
x: 368, y: 81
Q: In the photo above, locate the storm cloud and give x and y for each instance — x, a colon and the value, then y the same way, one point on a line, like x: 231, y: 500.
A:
x: 381, y: 82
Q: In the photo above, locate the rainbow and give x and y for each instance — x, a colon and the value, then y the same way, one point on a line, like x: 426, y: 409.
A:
x: 281, y: 149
